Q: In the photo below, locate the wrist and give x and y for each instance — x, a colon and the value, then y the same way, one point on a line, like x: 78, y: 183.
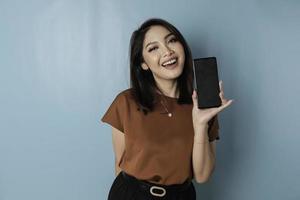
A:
x: 201, y: 137
x: 200, y: 128
x: 201, y: 134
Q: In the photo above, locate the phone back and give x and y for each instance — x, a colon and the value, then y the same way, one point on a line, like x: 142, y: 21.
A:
x: 206, y: 82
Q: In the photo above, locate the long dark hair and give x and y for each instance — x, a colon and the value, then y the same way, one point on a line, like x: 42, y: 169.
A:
x: 142, y: 82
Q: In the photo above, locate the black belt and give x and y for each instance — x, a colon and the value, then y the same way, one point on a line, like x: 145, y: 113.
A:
x: 153, y: 188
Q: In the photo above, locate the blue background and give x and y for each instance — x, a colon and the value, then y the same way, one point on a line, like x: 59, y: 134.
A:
x: 63, y: 62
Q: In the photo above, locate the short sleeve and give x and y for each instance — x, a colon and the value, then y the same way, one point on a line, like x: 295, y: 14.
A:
x: 213, y: 129
x: 115, y: 113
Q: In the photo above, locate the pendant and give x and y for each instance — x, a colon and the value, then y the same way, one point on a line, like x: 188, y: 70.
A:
x: 170, y: 114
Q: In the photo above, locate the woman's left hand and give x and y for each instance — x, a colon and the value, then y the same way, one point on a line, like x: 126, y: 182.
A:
x: 201, y: 117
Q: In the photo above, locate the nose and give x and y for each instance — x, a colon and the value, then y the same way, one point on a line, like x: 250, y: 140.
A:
x: 167, y: 51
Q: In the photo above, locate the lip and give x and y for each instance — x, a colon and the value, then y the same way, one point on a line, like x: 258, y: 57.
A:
x: 171, y: 67
x: 173, y: 57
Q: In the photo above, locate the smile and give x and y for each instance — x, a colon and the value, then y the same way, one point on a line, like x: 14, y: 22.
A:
x: 170, y: 62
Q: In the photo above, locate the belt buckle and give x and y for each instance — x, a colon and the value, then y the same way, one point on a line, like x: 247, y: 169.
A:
x: 159, y: 188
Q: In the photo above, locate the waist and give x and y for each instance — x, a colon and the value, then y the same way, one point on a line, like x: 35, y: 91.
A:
x: 158, y: 189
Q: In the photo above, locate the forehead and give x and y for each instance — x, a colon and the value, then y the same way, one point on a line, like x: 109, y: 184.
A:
x: 156, y: 32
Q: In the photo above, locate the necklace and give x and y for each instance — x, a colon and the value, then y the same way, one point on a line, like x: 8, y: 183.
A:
x: 166, y: 109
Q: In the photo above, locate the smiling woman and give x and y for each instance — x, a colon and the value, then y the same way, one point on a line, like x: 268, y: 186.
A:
x: 155, y: 42
x: 155, y: 135
x: 164, y: 55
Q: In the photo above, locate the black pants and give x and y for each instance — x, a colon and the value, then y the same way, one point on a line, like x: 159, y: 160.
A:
x: 124, y: 189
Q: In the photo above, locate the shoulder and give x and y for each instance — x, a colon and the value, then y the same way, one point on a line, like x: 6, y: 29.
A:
x: 125, y: 97
x: 125, y: 94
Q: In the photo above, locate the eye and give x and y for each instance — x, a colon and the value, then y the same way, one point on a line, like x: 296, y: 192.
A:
x: 173, y: 39
x: 151, y: 49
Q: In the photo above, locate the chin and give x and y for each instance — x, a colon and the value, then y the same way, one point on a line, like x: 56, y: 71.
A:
x: 176, y: 73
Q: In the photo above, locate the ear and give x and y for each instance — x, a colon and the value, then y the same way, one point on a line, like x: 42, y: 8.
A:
x: 144, y: 66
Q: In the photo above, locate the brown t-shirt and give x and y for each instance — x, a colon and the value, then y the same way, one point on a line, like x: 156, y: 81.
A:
x: 158, y: 148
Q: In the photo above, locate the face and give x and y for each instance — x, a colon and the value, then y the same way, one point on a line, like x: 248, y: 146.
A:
x: 163, y: 54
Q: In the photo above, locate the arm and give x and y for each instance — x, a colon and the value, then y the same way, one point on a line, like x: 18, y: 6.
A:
x: 204, y: 154
x: 118, y: 141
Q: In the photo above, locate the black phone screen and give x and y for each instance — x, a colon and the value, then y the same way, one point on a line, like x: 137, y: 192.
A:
x: 206, y: 82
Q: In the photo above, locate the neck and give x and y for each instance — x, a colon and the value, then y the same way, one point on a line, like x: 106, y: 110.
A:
x: 168, y: 87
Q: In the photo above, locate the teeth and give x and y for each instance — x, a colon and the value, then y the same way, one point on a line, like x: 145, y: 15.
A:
x: 169, y: 62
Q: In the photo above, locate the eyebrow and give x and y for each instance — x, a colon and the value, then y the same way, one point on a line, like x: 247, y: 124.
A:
x: 164, y: 38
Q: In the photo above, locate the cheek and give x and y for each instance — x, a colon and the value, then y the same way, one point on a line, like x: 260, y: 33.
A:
x: 153, y: 58
x: 146, y: 57
x: 181, y: 48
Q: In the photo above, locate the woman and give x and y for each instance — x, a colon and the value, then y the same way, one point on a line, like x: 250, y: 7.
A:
x: 161, y: 139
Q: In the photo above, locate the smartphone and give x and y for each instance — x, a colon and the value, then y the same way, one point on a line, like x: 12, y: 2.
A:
x: 206, y: 82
